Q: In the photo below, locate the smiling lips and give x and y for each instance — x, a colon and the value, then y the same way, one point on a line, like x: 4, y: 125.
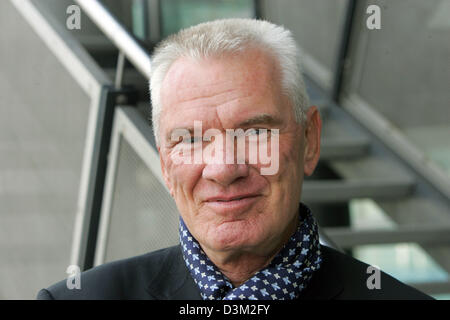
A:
x: 230, y: 198
x: 232, y: 204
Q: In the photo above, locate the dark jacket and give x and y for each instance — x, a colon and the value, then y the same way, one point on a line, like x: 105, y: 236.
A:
x: 163, y: 275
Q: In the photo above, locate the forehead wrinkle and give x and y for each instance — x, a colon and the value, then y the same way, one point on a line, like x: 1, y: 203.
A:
x: 181, y: 98
x: 217, y: 100
x: 187, y: 85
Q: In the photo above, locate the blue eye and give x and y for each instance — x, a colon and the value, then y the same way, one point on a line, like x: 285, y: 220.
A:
x: 255, y: 131
x: 191, y: 140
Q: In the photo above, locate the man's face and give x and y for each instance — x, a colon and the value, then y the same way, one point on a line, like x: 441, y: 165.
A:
x: 233, y: 207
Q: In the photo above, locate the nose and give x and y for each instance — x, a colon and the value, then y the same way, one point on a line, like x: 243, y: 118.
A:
x: 225, y: 174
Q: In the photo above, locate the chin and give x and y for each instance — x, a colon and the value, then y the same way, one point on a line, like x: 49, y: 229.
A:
x: 233, y: 237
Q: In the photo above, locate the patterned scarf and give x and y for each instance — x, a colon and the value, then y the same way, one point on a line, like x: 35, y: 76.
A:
x: 283, y: 279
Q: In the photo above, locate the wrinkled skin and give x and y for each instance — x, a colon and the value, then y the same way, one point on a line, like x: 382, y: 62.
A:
x: 239, y: 236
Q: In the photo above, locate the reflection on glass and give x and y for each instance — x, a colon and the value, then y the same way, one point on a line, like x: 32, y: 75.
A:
x: 316, y: 25
x: 178, y: 14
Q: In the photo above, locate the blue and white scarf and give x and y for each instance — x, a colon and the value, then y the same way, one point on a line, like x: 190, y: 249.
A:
x: 283, y: 279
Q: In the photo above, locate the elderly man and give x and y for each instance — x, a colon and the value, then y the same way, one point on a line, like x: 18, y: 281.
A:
x: 244, y: 234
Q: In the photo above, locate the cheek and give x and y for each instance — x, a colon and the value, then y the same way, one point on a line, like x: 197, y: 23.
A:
x: 182, y: 178
x: 290, y: 158
x: 186, y: 177
x: 286, y: 184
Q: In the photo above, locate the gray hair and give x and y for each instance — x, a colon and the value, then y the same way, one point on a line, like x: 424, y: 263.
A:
x: 217, y: 37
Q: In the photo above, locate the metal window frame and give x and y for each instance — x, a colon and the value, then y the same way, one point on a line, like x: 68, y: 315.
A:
x: 112, y: 28
x: 154, y: 20
x: 98, y: 164
x: 91, y: 78
x: 130, y: 125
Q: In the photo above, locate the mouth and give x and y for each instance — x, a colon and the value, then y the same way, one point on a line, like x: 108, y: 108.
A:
x: 233, y: 204
x: 231, y: 198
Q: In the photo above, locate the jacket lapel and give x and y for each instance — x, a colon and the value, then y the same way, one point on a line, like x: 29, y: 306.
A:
x: 326, y: 283
x: 174, y: 281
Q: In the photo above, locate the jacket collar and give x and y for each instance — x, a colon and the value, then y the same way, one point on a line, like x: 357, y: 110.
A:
x: 174, y: 281
x: 326, y: 283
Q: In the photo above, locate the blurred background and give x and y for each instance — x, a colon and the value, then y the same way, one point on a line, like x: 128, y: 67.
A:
x: 80, y: 181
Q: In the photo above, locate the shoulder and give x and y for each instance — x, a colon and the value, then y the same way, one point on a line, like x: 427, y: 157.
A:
x: 359, y: 280
x: 121, y: 279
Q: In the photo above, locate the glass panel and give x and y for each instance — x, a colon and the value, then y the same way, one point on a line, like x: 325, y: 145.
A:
x: 178, y: 14
x: 365, y: 214
x: 403, y: 71
x: 407, y: 262
x: 144, y: 217
x: 139, y: 17
x: 317, y: 26
x: 43, y: 118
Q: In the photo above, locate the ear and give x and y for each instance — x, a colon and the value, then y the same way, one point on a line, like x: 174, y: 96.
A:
x: 164, y: 172
x: 312, y: 130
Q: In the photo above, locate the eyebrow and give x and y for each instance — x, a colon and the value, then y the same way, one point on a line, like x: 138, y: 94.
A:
x: 260, y: 119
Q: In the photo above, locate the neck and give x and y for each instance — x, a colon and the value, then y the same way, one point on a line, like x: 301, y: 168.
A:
x: 239, y: 267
